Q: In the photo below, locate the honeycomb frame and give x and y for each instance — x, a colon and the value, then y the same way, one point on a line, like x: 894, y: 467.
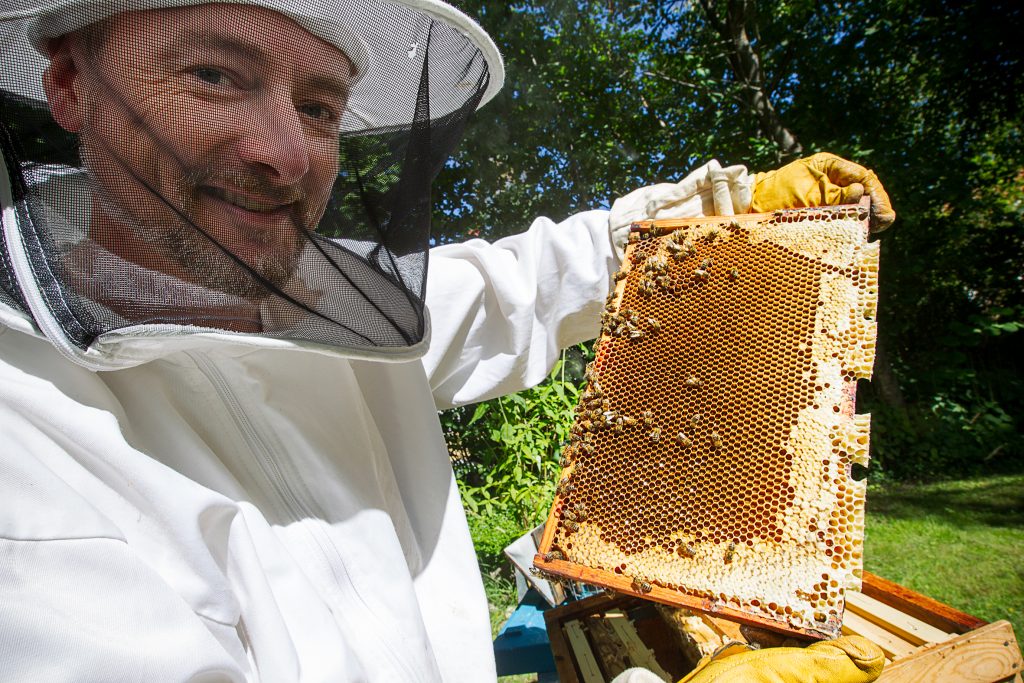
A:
x: 710, y: 459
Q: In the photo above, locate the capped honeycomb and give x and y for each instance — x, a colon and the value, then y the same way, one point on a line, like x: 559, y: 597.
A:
x: 709, y: 464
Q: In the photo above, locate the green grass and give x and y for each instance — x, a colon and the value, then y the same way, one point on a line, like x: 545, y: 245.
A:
x: 959, y: 542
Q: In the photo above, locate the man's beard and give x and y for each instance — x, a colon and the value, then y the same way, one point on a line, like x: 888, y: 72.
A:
x: 177, y: 232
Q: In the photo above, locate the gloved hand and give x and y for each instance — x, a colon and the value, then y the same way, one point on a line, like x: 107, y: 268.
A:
x: 850, y: 659
x: 707, y: 191
x: 819, y: 180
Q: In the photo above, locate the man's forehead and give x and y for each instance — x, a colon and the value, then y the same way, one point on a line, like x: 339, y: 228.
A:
x: 246, y: 30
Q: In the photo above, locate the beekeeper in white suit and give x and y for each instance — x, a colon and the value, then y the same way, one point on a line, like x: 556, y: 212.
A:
x: 222, y: 351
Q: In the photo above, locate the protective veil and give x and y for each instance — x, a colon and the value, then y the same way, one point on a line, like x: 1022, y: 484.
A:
x: 259, y: 168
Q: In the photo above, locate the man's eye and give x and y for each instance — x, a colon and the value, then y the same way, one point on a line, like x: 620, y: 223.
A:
x: 210, y: 75
x: 316, y: 111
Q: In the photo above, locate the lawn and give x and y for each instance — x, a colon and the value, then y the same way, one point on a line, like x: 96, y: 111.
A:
x: 960, y: 542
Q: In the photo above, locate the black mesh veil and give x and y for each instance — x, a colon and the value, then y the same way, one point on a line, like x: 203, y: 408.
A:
x: 259, y: 167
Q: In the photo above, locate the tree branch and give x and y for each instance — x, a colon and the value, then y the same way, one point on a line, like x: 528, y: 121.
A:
x: 746, y: 65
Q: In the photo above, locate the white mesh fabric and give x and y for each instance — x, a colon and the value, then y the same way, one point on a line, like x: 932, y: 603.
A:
x: 230, y: 167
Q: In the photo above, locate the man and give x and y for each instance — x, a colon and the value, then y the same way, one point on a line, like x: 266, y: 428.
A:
x: 221, y: 455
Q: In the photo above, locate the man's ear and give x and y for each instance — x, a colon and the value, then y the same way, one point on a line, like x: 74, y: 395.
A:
x: 63, y: 84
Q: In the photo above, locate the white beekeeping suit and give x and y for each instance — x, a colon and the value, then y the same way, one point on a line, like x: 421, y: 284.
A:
x: 216, y: 466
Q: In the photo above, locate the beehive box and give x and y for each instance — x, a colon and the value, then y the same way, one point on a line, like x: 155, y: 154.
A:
x: 710, y: 460
x: 923, y: 641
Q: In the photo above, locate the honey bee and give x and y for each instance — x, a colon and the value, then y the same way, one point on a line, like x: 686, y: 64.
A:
x: 565, y: 488
x: 596, y: 387
x: 640, y: 585
x: 673, y: 247
x: 629, y: 421
x: 658, y: 264
x: 633, y: 238
x: 712, y: 234
x: 572, y: 526
x: 663, y: 281
x: 700, y: 275
x: 695, y: 419
x: 569, y: 515
x: 686, y: 551
x: 581, y: 511
x: 683, y: 440
x: 619, y: 427
x: 730, y: 552
x: 707, y: 263
x: 620, y: 275
x: 734, y: 274
x: 679, y: 236
x: 716, y: 441
x: 636, y: 334
x: 646, y: 288
x: 655, y: 435
x: 590, y: 374
x: 648, y: 418
x: 692, y: 382
x: 654, y: 325
x: 553, y: 555
x: 734, y: 224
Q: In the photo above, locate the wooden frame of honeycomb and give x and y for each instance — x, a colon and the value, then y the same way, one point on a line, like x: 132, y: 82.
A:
x: 710, y: 460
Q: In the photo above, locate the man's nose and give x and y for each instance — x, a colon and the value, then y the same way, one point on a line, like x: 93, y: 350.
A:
x: 275, y: 140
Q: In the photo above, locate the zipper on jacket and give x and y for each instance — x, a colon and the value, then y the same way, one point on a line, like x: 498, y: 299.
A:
x: 291, y: 502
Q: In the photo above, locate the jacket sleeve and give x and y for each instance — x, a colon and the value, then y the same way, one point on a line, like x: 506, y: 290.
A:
x: 500, y: 313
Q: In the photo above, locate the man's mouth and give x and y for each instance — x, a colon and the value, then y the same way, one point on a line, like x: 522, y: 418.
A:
x: 245, y: 201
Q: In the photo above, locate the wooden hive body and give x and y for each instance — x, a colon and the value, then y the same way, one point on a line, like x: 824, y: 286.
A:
x: 710, y: 463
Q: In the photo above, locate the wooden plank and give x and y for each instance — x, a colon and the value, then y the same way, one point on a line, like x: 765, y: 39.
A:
x: 612, y: 653
x: 730, y: 630
x: 595, y: 604
x: 928, y: 610
x: 891, y: 644
x: 560, y: 651
x: 639, y: 653
x: 985, y: 655
x: 590, y: 672
x: 891, y: 619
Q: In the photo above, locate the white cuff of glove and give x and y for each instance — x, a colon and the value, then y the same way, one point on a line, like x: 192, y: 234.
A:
x: 708, y: 191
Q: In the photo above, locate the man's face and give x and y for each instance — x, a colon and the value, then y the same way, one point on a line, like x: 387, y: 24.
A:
x: 217, y: 119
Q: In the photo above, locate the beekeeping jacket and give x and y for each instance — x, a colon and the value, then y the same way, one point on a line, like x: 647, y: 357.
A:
x: 222, y: 507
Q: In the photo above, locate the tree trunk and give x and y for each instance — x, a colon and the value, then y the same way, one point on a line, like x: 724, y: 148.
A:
x: 746, y: 65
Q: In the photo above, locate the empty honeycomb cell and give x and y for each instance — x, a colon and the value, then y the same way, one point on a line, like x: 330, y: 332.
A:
x: 716, y: 435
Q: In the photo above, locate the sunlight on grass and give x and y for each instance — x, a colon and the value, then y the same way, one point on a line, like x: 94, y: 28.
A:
x: 959, y: 542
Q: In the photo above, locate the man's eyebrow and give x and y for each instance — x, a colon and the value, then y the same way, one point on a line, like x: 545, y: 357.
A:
x: 328, y: 85
x: 191, y: 40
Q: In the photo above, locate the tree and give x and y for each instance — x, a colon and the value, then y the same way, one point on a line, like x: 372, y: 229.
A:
x: 603, y: 98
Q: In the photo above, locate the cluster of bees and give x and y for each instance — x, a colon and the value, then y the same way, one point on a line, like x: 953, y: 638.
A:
x: 627, y: 324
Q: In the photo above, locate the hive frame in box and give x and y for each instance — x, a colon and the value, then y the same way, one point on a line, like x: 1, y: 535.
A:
x: 710, y: 462
x: 923, y: 640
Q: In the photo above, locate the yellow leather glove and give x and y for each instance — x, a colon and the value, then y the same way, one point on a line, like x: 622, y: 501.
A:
x: 850, y: 659
x: 822, y: 180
